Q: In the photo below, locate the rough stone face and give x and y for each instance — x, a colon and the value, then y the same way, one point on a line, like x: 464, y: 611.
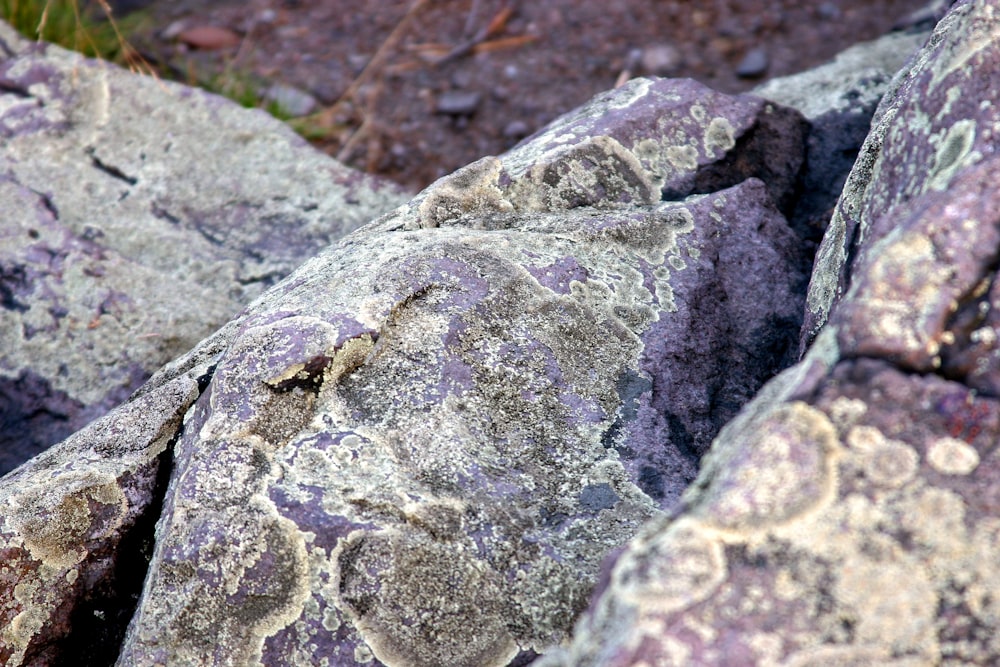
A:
x: 849, y: 514
x: 418, y: 448
x: 838, y: 99
x: 76, y: 531
x: 137, y: 216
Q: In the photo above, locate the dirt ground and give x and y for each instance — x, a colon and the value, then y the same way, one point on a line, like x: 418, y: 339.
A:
x: 413, y: 89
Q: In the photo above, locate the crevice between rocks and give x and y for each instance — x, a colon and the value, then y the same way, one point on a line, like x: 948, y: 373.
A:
x: 99, y: 622
x: 100, y: 619
x: 16, y: 91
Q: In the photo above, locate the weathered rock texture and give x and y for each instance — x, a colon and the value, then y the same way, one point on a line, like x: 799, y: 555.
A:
x: 418, y: 448
x: 137, y: 216
x: 839, y: 100
x: 851, y: 513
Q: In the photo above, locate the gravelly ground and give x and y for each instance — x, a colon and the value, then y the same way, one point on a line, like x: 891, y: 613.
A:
x: 458, y: 79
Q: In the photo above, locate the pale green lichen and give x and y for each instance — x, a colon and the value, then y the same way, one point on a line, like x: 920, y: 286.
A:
x: 954, y: 152
x: 720, y: 137
x: 675, y: 568
x: 886, y: 462
x: 785, y: 469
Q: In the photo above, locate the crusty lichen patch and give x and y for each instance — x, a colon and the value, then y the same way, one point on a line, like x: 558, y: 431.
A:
x: 66, y: 511
x: 422, y: 602
x: 783, y: 469
x: 425, y: 418
x: 878, y: 571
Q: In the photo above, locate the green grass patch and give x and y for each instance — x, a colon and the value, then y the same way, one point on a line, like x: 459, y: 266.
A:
x: 89, y: 28
x: 66, y: 23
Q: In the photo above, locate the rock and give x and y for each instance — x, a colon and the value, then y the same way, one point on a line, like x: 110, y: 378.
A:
x: 209, y: 37
x: 754, y: 63
x: 139, y: 216
x: 516, y: 129
x: 849, y: 514
x: 838, y: 99
x: 677, y: 138
x: 457, y: 103
x: 418, y: 448
x: 829, y: 11
x: 291, y: 100
x: 660, y: 59
x: 866, y: 198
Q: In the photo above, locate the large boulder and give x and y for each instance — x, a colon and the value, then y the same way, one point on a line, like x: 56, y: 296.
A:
x: 418, y: 448
x: 850, y: 514
x: 136, y: 217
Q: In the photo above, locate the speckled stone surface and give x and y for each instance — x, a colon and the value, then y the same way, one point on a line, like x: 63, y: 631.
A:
x: 136, y: 217
x: 849, y: 515
x: 419, y: 447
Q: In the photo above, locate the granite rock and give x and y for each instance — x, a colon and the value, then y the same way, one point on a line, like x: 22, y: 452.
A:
x: 136, y: 217
x: 849, y: 514
x: 418, y: 448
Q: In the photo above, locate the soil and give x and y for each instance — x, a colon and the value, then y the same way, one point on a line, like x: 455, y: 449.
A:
x: 414, y: 89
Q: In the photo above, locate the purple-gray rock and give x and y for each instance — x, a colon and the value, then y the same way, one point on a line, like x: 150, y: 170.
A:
x: 418, y: 448
x: 137, y: 217
x: 753, y: 64
x: 850, y: 514
x: 838, y: 99
x: 457, y: 103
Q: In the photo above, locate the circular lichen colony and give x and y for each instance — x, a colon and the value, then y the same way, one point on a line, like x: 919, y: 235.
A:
x: 782, y: 470
x: 676, y: 568
x: 423, y: 602
x: 886, y: 462
x: 951, y: 456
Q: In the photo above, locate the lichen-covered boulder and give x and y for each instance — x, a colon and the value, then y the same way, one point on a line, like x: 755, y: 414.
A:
x: 137, y: 216
x: 849, y: 515
x: 419, y: 447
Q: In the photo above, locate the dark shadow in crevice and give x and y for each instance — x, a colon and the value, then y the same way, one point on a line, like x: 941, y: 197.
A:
x: 100, y: 619
x: 101, y: 615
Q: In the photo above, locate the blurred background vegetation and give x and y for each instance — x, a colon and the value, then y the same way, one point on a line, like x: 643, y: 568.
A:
x: 91, y: 28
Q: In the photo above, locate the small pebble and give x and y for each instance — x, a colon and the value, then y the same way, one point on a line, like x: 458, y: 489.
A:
x: 292, y: 101
x: 661, y: 59
x: 173, y: 29
x: 754, y: 64
x: 357, y: 61
x: 209, y: 38
x: 457, y: 103
x: 461, y: 79
x: 516, y: 129
x: 829, y: 11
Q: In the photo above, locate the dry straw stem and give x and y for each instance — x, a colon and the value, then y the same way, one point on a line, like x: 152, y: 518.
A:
x: 327, y: 116
x: 62, y: 22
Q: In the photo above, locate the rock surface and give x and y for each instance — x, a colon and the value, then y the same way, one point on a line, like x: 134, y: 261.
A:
x: 137, y: 217
x: 418, y: 448
x: 838, y: 99
x: 849, y: 514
